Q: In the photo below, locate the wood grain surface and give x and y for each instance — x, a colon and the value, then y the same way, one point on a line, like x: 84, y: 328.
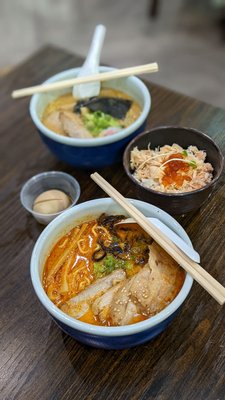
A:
x: 38, y: 361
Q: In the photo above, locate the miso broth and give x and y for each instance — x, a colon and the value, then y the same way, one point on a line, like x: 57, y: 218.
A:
x: 96, y: 117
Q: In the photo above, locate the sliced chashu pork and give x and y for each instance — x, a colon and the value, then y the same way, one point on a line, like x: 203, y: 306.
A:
x: 53, y: 122
x: 149, y: 291
x: 101, y: 306
x: 73, y: 126
x: 79, y: 305
x: 124, y: 306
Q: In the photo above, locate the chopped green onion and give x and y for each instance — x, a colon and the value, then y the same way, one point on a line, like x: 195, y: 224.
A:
x: 185, y: 153
x: 193, y: 164
x: 98, y: 121
x: 108, y: 265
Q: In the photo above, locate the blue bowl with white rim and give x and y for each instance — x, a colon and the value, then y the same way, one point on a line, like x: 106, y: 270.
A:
x: 97, y: 152
x: 118, y: 337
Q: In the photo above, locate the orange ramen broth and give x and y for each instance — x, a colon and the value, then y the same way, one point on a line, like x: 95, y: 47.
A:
x: 71, y: 265
x: 69, y: 268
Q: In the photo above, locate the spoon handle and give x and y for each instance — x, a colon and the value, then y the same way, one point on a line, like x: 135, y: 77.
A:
x: 91, y: 66
x: 93, y: 57
x: 187, y: 249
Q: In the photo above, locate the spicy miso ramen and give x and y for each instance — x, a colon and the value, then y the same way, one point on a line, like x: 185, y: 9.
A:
x: 110, y: 274
x: 94, y: 117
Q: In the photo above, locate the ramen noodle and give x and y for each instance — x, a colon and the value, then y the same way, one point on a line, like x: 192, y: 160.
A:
x: 110, y: 274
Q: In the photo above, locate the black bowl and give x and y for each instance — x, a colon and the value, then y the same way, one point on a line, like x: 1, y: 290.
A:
x: 175, y: 203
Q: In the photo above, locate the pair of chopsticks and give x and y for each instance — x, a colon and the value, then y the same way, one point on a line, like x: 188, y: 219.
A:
x: 211, y: 285
x: 104, y: 76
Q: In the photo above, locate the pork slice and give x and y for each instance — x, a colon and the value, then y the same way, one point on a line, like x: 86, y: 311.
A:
x: 124, y: 306
x: 164, y: 273
x: 101, y: 305
x: 79, y: 305
x: 73, y: 126
x: 76, y: 311
x: 100, y: 286
x: 147, y: 292
x: 53, y: 122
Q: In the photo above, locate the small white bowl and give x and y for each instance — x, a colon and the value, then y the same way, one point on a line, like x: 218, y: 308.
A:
x: 47, y: 181
x: 101, y: 336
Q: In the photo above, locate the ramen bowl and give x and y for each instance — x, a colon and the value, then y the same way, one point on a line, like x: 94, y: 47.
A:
x: 183, y: 202
x: 97, y: 152
x: 118, y: 337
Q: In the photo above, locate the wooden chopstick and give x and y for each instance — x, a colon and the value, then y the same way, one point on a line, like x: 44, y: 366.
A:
x: 210, y: 284
x: 104, y: 76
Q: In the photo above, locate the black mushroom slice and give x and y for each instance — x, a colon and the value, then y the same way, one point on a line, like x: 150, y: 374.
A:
x: 113, y: 248
x: 142, y: 259
x: 108, y: 221
x: 113, y: 106
x: 98, y: 255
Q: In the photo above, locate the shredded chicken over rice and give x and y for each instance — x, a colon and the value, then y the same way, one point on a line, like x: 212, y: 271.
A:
x: 171, y: 168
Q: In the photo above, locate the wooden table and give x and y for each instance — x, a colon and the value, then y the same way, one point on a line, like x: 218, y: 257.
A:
x: 38, y: 361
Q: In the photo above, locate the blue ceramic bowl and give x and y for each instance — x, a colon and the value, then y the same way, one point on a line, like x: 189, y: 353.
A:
x: 102, y: 336
x: 97, y: 152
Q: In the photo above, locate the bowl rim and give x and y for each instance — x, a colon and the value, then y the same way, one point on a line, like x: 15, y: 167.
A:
x: 94, y: 329
x: 95, y: 142
x: 126, y: 154
x: 45, y: 174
